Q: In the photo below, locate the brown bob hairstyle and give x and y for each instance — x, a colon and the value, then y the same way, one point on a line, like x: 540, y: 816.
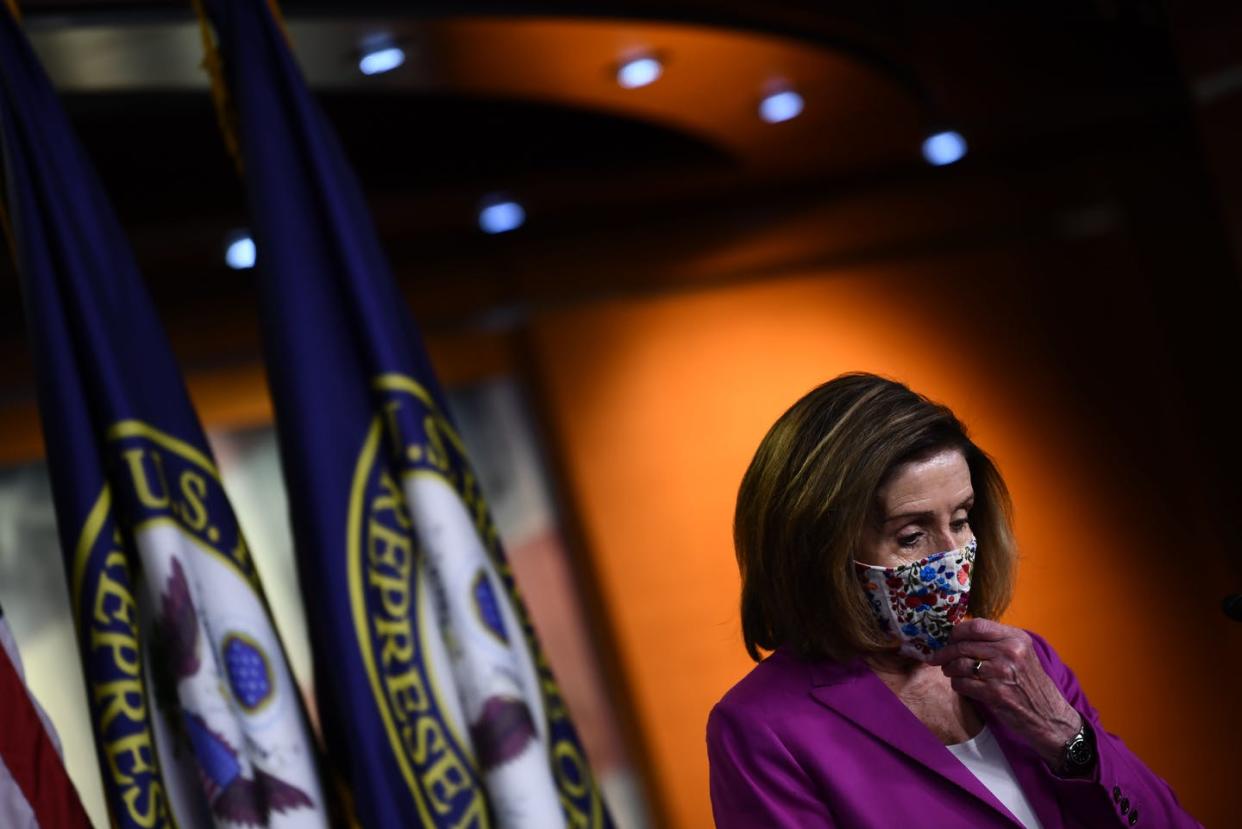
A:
x: 808, y: 496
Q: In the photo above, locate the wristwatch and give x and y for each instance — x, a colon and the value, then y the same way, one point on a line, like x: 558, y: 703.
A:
x: 1078, y: 756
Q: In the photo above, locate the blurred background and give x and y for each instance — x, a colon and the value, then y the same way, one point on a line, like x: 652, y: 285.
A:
x: 634, y: 233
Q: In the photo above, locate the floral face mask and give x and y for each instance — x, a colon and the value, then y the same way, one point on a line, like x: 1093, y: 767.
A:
x: 919, y: 603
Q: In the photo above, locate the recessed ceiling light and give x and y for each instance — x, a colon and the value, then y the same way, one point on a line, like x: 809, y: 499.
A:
x: 639, y: 72
x: 381, y: 59
x: 780, y: 106
x: 945, y: 147
x: 239, y: 251
x: 501, y: 216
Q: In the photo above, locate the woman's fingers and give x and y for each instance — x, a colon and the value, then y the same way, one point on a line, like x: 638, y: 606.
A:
x: 981, y: 639
x: 995, y: 671
x: 965, y: 667
x: 970, y: 649
x: 986, y: 630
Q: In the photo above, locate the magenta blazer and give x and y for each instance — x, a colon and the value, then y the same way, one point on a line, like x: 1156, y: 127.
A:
x: 804, y: 745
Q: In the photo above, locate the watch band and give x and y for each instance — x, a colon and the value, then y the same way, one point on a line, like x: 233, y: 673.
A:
x: 1078, y: 755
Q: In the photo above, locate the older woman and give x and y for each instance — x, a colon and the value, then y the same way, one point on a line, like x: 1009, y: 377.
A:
x: 876, y: 553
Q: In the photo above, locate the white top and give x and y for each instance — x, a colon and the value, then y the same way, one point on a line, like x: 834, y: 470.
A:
x: 983, y: 756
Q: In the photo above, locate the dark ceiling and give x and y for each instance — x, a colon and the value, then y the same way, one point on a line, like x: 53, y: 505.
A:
x: 1041, y: 89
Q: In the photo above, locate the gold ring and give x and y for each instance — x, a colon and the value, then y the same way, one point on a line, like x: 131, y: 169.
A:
x: 978, y: 667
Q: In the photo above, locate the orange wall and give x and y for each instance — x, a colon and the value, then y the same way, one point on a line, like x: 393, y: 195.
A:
x: 656, y: 405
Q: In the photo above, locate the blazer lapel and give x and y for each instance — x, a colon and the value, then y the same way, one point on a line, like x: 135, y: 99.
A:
x: 855, y: 692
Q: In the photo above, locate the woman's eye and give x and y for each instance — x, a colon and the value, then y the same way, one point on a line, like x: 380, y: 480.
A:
x: 958, y: 526
x: 909, y: 540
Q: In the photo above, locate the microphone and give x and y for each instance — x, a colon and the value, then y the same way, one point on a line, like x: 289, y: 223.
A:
x: 1232, y: 605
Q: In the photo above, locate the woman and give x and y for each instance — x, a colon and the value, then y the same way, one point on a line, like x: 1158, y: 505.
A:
x: 866, y: 526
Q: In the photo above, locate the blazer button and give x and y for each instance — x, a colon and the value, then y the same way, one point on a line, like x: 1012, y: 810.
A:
x: 1134, y: 817
x: 1116, y: 793
x: 1125, y: 805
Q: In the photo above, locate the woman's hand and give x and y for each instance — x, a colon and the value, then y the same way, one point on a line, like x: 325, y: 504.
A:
x: 1011, y: 682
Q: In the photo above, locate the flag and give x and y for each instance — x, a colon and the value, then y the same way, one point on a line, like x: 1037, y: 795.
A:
x: 35, y: 791
x: 197, y: 718
x: 438, y: 705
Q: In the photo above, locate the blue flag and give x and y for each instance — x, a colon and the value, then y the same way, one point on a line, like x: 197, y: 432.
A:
x: 438, y: 705
x: 197, y: 718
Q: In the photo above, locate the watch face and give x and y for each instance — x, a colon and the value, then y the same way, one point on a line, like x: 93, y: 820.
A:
x: 1079, y: 752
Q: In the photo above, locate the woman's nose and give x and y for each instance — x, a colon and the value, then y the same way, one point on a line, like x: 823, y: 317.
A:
x: 943, y: 539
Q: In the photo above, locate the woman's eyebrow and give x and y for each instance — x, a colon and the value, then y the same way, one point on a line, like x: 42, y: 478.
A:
x: 966, y: 504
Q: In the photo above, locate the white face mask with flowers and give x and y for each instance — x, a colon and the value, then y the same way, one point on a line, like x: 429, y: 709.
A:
x: 919, y: 603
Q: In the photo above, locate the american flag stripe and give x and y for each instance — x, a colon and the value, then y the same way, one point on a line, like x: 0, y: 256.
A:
x: 35, y: 790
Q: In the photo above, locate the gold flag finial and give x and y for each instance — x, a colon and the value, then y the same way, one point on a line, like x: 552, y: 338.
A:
x: 226, y: 113
x: 213, y: 65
